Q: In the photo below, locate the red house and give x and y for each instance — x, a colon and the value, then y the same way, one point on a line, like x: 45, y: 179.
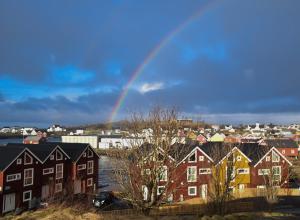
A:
x: 19, y: 178
x: 287, y: 147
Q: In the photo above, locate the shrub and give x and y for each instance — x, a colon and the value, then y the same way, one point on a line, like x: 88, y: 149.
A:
x: 217, y: 217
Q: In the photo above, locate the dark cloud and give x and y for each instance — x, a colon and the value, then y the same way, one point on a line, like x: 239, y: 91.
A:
x: 69, y: 62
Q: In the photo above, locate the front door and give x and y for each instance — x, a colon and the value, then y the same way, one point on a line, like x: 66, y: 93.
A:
x: 77, y: 186
x: 204, y: 191
x: 9, y: 202
x: 45, y: 191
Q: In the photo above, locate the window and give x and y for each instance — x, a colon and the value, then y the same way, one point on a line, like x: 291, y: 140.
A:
x: 90, y: 182
x: 268, y: 158
x: 160, y: 190
x: 192, y: 174
x: 90, y: 167
x: 58, y: 187
x: 90, y: 153
x: 148, y: 171
x: 263, y: 172
x: 13, y: 177
x: 276, y: 170
x: 238, y: 158
x: 84, y: 154
x: 163, y: 173
x: 242, y: 171
x: 192, y: 158
x: 81, y: 167
x: 28, y: 177
x: 59, y: 155
x: 292, y: 151
x: 201, y: 158
x: 283, y: 151
x: 204, y: 171
x: 275, y: 157
x: 19, y: 161
x: 27, y: 195
x: 59, y: 171
x: 192, y: 190
x: 27, y: 159
x: 52, y: 157
x: 48, y: 171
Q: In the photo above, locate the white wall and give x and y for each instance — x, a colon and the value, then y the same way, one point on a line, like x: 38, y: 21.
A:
x: 92, y: 140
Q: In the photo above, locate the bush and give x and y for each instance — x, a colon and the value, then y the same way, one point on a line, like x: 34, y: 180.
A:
x: 217, y: 217
x: 205, y: 218
x: 231, y: 217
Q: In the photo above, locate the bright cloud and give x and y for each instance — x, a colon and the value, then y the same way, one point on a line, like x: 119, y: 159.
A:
x: 149, y: 87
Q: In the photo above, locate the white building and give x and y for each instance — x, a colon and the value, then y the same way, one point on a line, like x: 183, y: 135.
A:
x: 92, y: 140
x: 118, y: 141
x: 56, y: 128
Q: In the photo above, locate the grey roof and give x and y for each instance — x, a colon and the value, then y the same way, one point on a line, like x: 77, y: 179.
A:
x: 42, y: 151
x: 74, y: 150
x: 8, y: 154
x: 253, y: 151
x: 216, y: 150
x: 281, y: 143
x: 180, y: 151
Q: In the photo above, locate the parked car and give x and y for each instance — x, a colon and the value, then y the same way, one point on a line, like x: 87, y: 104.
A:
x: 103, y: 199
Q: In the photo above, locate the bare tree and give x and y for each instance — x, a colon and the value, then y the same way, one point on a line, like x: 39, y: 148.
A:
x: 146, y: 172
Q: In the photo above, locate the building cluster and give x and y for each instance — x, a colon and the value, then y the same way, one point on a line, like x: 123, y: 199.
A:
x: 31, y: 173
x: 253, y: 166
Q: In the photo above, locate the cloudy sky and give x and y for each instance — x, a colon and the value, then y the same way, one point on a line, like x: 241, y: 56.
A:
x: 68, y: 62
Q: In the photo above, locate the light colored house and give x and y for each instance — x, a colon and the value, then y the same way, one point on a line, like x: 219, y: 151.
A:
x: 217, y: 138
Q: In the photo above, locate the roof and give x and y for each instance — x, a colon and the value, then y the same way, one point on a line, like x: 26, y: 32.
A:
x: 42, y: 151
x: 253, y: 151
x: 281, y: 143
x: 74, y: 150
x: 216, y: 150
x: 180, y: 151
x: 8, y: 154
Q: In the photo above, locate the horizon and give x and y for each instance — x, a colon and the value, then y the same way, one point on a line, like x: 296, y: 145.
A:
x: 94, y: 62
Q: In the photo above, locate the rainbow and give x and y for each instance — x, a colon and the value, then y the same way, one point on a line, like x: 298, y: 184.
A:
x: 153, y: 53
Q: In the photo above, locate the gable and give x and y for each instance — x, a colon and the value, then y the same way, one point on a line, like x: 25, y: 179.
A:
x: 270, y: 153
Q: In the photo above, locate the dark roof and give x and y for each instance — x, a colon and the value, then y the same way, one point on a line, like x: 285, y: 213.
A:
x: 180, y: 151
x: 253, y: 151
x: 216, y: 150
x: 281, y: 143
x: 42, y: 151
x: 8, y: 154
x: 74, y: 150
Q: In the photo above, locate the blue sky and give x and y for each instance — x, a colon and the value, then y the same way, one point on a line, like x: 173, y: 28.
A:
x: 67, y: 61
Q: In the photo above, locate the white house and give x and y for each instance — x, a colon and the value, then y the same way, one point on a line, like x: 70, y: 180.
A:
x: 56, y: 128
x: 118, y: 141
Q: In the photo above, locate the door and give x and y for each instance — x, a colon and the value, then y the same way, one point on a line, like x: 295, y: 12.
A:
x: 77, y: 186
x: 204, y: 191
x: 45, y: 191
x: 9, y: 202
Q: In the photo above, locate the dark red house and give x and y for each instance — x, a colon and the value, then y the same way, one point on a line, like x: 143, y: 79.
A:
x: 287, y: 147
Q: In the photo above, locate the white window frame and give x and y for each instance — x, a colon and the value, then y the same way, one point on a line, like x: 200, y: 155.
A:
x: 90, y: 167
x: 84, y: 154
x: 292, y: 151
x: 192, y: 187
x: 58, y: 189
x: 47, y: 171
x: 15, y: 177
x: 60, y: 153
x: 163, y: 173
x: 195, y: 174
x: 263, y: 172
x: 81, y: 166
x: 31, y: 159
x: 268, y: 158
x: 90, y: 153
x: 283, y: 151
x: 158, y: 189
x: 192, y: 161
x: 273, y: 158
x: 24, y: 193
x: 57, y: 176
x: 246, y: 171
x: 201, y: 158
x: 19, y: 161
x: 239, y: 158
x: 32, y: 177
x: 89, y: 182
x: 206, y: 171
x: 273, y: 174
x: 52, y: 157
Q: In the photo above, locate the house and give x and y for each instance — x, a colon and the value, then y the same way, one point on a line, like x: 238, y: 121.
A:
x: 270, y: 166
x: 38, y: 139
x: 201, y: 139
x: 19, y: 178
x: 56, y: 128
x: 217, y: 138
x: 30, y: 173
x: 287, y: 147
x: 232, y: 139
x: 83, y: 167
x: 193, y: 172
x: 53, y: 173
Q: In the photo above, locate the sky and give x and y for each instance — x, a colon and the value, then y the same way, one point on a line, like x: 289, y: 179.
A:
x: 68, y: 62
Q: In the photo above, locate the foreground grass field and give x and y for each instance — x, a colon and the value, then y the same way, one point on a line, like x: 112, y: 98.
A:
x: 55, y: 212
